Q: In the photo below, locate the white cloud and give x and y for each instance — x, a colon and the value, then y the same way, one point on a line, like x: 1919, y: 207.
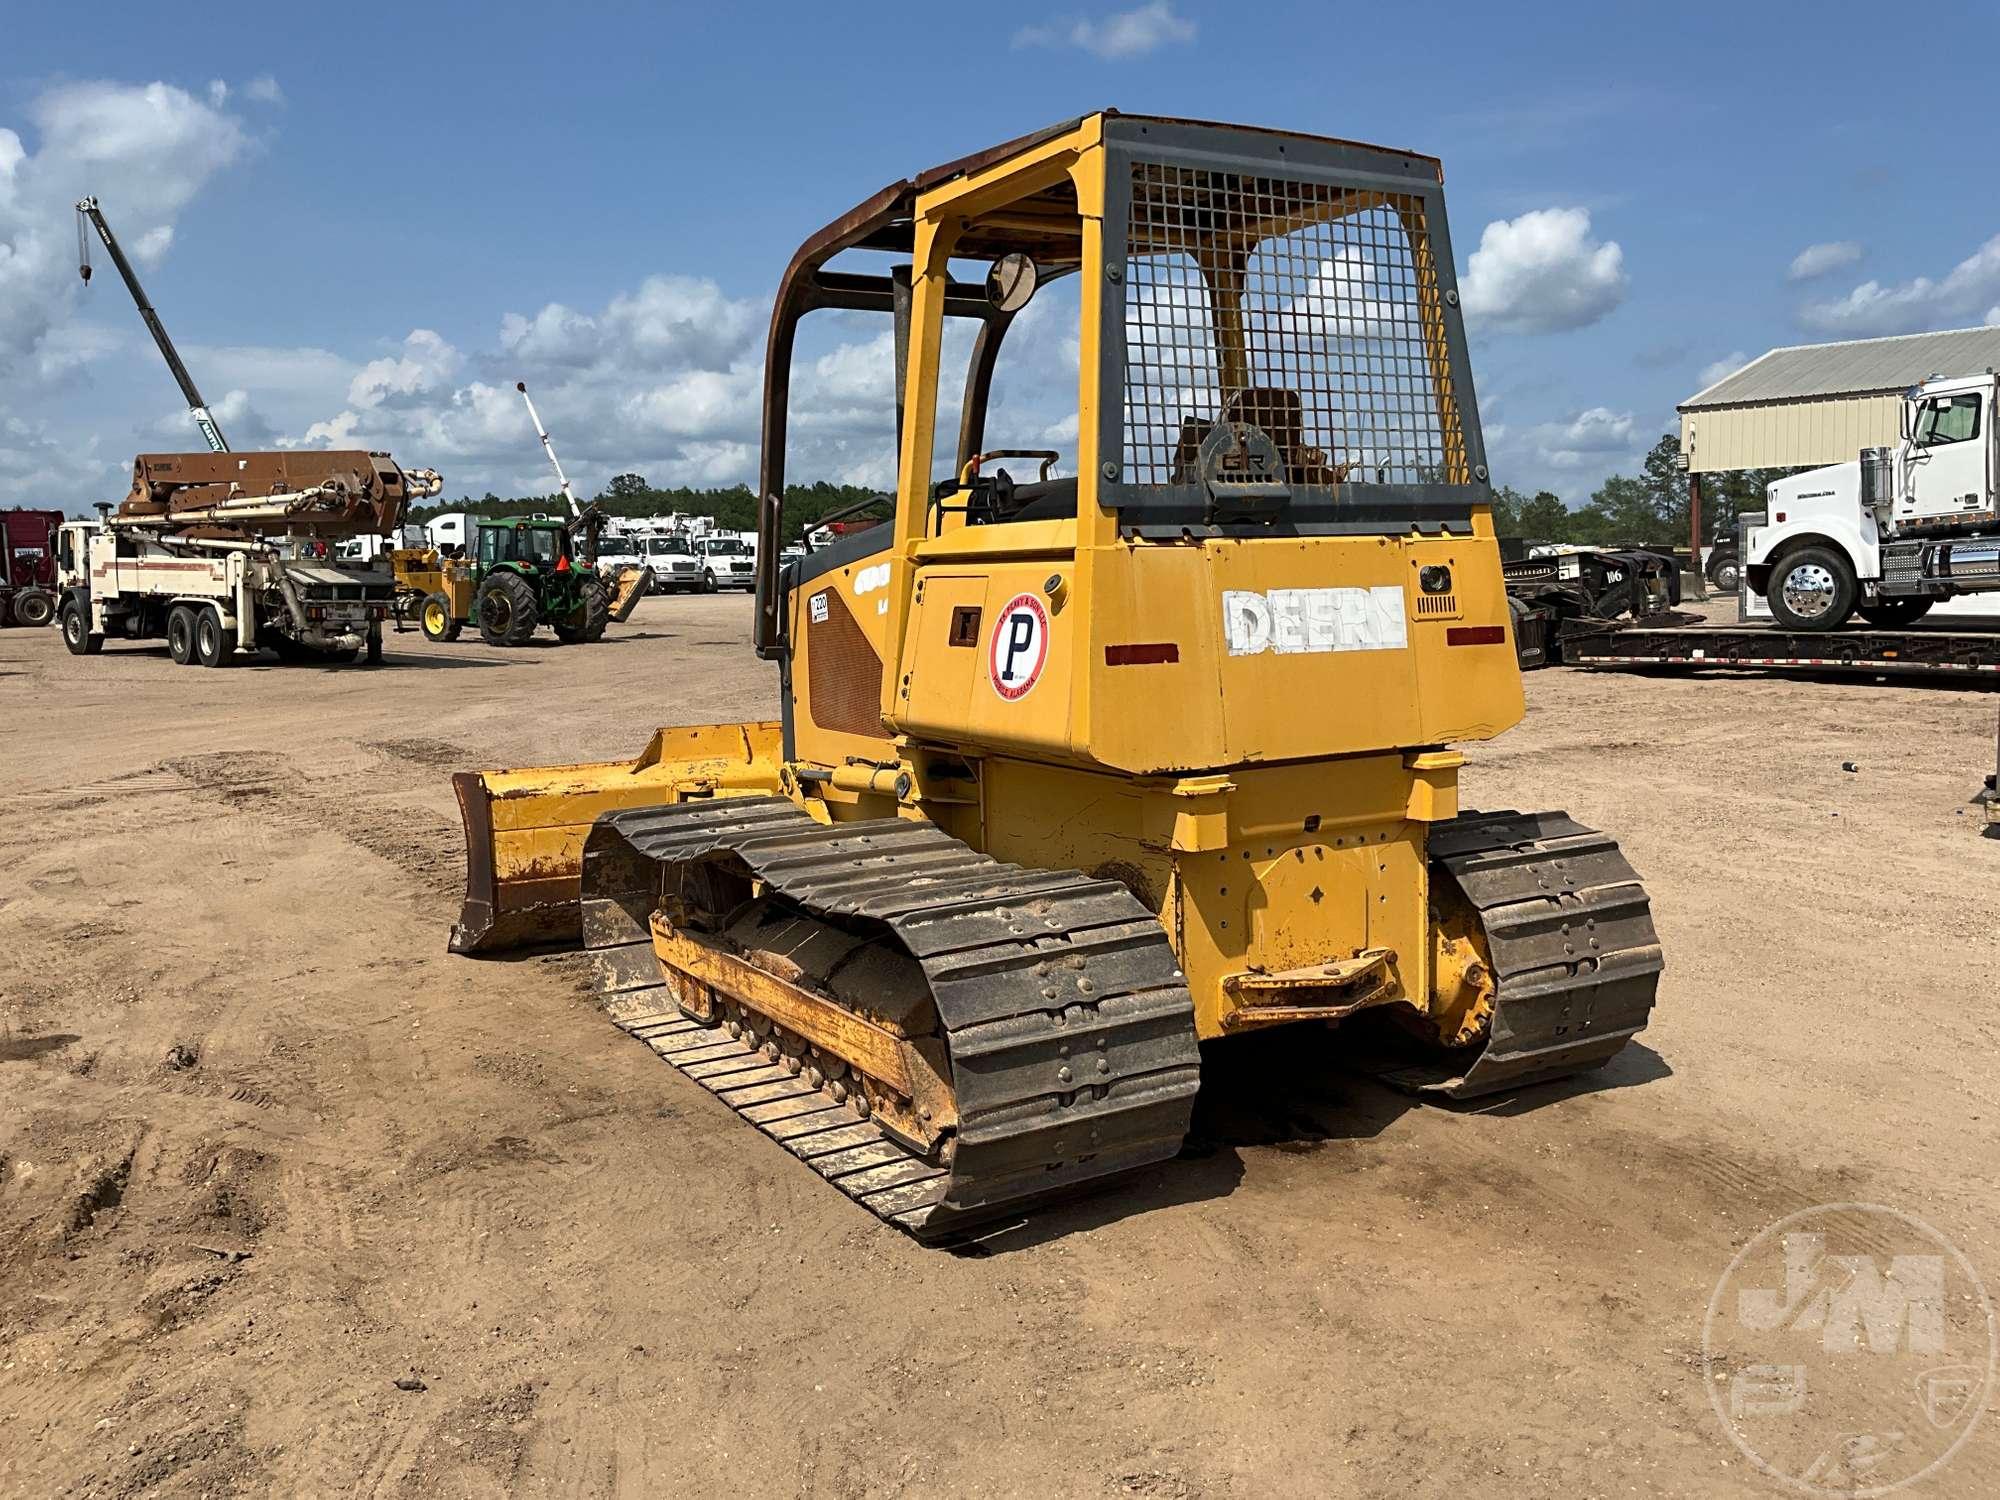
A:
x: 264, y: 89
x: 1115, y: 38
x: 1729, y: 364
x: 40, y: 467
x: 668, y: 320
x: 1597, y: 430
x: 239, y: 419
x: 666, y: 380
x: 1570, y: 454
x: 1964, y: 294
x: 426, y: 364
x: 1542, y: 273
x: 1819, y: 260
x: 147, y: 150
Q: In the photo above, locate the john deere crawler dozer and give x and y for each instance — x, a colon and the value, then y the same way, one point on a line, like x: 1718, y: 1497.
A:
x: 1073, y: 773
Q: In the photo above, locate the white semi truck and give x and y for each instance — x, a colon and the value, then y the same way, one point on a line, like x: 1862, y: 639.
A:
x: 1896, y: 530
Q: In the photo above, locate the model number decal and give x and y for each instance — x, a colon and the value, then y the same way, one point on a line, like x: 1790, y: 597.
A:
x: 1297, y: 620
x: 817, y: 607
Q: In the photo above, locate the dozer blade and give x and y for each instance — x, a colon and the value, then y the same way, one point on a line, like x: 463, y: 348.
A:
x: 945, y: 1038
x: 525, y: 829
x: 633, y: 585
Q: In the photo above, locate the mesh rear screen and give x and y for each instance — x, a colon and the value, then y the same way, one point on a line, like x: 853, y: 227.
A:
x: 1307, y: 309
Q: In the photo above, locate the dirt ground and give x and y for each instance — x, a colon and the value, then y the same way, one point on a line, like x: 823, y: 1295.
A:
x: 292, y: 1202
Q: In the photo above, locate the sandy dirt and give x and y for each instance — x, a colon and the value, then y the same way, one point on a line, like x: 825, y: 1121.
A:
x: 292, y: 1202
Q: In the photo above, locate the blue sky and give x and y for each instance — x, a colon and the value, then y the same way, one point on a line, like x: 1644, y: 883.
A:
x: 362, y: 224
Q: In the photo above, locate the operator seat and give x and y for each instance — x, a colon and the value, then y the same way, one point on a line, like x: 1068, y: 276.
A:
x: 1280, y: 415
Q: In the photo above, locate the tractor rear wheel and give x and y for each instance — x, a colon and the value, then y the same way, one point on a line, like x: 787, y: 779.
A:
x: 587, y: 621
x: 508, y: 610
x: 436, y: 619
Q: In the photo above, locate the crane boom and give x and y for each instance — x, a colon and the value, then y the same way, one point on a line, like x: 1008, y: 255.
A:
x: 575, y: 510
x: 87, y: 209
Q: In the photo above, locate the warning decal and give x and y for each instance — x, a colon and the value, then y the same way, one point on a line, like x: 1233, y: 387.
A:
x: 1019, y: 647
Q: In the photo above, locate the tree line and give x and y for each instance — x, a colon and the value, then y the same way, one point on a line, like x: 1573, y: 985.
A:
x: 1649, y: 508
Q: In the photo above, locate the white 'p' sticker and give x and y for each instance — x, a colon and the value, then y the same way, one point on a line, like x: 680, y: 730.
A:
x: 1019, y: 648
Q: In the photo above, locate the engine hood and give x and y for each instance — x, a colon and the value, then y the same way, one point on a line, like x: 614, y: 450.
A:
x: 1838, y: 484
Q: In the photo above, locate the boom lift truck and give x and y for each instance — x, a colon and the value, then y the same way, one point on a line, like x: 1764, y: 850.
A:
x: 222, y: 553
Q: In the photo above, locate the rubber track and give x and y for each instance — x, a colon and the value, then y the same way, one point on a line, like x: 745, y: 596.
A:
x: 1571, y: 934
x: 1067, y: 1020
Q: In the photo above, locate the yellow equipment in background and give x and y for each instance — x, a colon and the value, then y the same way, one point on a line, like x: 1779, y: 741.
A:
x: 433, y: 590
x: 1076, y: 770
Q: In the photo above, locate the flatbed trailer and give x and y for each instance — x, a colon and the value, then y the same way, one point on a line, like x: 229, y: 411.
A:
x: 1940, y: 653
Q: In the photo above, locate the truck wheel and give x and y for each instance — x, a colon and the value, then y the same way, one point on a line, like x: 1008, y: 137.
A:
x: 374, y: 647
x: 1813, y: 589
x: 436, y: 619
x: 1894, y: 614
x: 1725, y: 574
x: 707, y: 582
x: 213, y: 644
x: 180, y: 634
x: 34, y: 607
x: 508, y: 613
x: 77, y: 634
x: 587, y: 621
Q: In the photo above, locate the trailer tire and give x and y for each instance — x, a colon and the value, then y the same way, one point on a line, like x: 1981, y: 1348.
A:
x: 34, y: 606
x: 435, y: 619
x: 508, y: 612
x: 1813, y: 588
x: 593, y: 612
x: 214, y: 643
x: 1894, y: 614
x: 180, y: 634
x: 77, y: 634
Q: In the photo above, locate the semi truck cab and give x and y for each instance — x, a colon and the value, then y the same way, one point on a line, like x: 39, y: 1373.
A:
x: 1896, y: 529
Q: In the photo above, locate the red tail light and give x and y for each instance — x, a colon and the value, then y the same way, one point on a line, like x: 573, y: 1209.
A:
x: 1475, y: 635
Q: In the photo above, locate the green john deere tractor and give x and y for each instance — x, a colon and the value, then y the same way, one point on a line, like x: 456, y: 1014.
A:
x: 524, y: 574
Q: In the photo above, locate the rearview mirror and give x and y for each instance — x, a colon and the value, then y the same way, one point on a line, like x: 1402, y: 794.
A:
x: 1011, y: 282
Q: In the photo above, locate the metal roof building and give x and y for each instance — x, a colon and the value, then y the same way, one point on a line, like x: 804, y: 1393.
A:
x: 1812, y: 404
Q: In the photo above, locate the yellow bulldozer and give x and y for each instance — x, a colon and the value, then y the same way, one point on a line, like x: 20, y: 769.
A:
x: 1147, y: 747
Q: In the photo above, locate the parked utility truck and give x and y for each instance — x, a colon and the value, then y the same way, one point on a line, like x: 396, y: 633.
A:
x: 1896, y: 530
x: 222, y: 554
